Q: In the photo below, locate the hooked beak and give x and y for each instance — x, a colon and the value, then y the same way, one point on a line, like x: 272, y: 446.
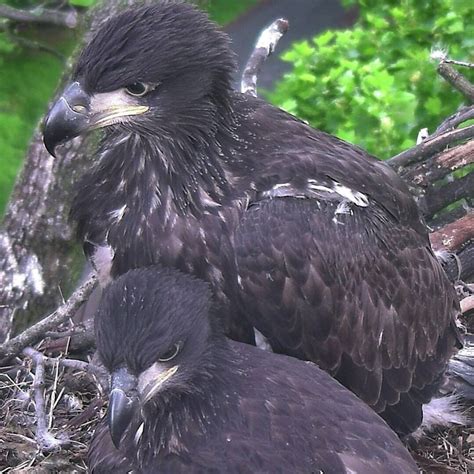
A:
x: 123, y: 403
x: 128, y: 393
x: 77, y: 112
x: 68, y: 117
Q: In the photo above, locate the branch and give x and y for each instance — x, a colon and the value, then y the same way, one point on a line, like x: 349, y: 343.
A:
x: 437, y: 198
x: 27, y: 43
x: 430, y: 146
x: 436, y: 168
x: 46, y: 441
x: 462, y: 115
x: 40, y: 15
x: 62, y: 314
x: 457, y: 80
x: 456, y: 240
x: 265, y: 46
x: 453, y: 237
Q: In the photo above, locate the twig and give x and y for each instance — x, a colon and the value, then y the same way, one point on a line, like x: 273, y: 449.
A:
x: 430, y: 146
x: 437, y: 198
x: 37, y: 331
x: 46, y: 441
x: 40, y: 15
x: 265, y: 46
x: 459, y: 63
x: 80, y: 338
x: 463, y: 114
x: 453, y: 237
x: 75, y: 364
x: 428, y: 172
x: 37, y: 46
x: 456, y: 79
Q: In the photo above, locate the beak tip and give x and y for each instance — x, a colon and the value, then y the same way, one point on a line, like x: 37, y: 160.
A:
x: 49, y: 147
x: 120, y: 413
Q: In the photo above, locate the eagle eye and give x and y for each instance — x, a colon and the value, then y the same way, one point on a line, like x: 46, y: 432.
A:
x: 171, y: 353
x: 137, y: 89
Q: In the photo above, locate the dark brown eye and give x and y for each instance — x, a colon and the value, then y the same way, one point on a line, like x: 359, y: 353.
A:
x: 171, y: 353
x: 137, y: 89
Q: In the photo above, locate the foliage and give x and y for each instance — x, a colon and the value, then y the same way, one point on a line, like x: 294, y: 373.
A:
x: 223, y: 11
x: 374, y: 85
x: 28, y: 79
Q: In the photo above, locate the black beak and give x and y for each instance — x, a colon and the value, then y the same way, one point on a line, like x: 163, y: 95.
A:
x: 68, y: 117
x: 123, y: 402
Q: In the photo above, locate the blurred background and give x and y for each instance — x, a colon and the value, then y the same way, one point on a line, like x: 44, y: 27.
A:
x: 359, y: 69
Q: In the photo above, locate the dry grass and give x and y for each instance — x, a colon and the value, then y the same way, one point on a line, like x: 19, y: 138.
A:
x: 447, y: 451
x: 72, y: 408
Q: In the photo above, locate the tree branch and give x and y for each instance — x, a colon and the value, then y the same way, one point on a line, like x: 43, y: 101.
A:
x: 265, y: 46
x: 463, y: 114
x: 428, y: 172
x: 62, y: 314
x: 454, y: 236
x: 437, y: 198
x: 430, y: 146
x: 46, y: 441
x: 457, y: 80
x: 40, y: 15
x: 457, y: 238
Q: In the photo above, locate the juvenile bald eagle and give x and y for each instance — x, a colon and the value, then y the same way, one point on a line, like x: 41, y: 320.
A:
x: 185, y: 399
x: 301, y: 235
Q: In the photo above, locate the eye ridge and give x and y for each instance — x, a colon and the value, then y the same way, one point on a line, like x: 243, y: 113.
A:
x: 171, y: 353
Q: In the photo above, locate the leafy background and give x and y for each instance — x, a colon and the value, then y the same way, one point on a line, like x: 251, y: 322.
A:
x: 375, y: 85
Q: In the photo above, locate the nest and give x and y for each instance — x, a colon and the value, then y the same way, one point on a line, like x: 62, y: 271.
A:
x: 72, y: 407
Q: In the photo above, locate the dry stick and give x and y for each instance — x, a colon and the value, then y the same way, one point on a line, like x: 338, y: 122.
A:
x: 457, y: 237
x: 430, y: 146
x: 46, y: 441
x: 40, y: 15
x: 457, y: 80
x: 464, y: 113
x: 37, y: 331
x: 265, y: 46
x: 437, y: 198
x: 454, y: 236
x: 428, y: 172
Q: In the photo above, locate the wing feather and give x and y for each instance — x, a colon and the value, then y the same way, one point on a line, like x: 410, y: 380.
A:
x: 361, y: 295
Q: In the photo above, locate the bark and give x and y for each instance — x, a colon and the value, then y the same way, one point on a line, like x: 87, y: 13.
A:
x: 41, y: 15
x: 457, y: 80
x: 265, y: 46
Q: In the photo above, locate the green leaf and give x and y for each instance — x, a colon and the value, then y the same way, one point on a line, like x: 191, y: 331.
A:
x: 82, y: 3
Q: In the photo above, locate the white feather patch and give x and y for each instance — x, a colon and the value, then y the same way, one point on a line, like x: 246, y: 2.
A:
x: 441, y: 412
x: 262, y: 341
x: 356, y: 197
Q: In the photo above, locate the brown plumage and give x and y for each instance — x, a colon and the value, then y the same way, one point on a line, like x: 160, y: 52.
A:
x: 302, y: 236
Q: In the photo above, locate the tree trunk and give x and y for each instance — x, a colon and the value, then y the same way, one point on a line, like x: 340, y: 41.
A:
x: 39, y: 259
